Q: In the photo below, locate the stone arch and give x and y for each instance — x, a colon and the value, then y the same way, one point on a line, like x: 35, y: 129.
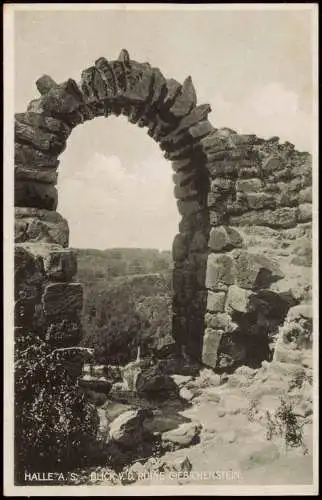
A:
x: 221, y: 180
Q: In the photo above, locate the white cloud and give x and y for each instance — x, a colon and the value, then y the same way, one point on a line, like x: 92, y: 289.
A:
x: 266, y: 111
x: 107, y: 206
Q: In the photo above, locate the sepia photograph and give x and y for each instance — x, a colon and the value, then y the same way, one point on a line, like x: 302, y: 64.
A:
x: 160, y: 249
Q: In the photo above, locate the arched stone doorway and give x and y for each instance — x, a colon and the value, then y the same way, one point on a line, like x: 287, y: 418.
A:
x: 170, y: 112
x: 222, y: 180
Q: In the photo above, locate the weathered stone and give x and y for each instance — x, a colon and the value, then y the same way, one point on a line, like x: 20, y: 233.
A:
x: 220, y: 272
x: 181, y: 380
x: 305, y: 195
x: 182, y: 165
x: 194, y: 221
x: 173, y: 90
x: 179, y: 154
x: 255, y: 271
x: 62, y: 100
x: 216, y: 301
x: 187, y: 208
x: 187, y: 192
x: 154, y: 384
x: 238, y: 299
x: 222, y: 168
x: 61, y: 299
x: 35, y: 195
x: 220, y: 321
x: 32, y: 224
x: 185, y: 394
x: 197, y: 114
x: 182, y: 436
x: 222, y: 185
x: 300, y: 311
x: 127, y: 430
x: 60, y: 265
x: 257, y: 201
x: 224, y: 238
x: 200, y: 129
x: 45, y: 175
x: 249, y: 185
x: 211, y: 342
x: 66, y: 332
x: 48, y: 123
x: 38, y: 138
x: 180, y: 246
x: 283, y: 217
x: 305, y: 212
x: 184, y: 177
x: 29, y: 156
x: 184, y: 102
x: 45, y: 83
x: 199, y: 242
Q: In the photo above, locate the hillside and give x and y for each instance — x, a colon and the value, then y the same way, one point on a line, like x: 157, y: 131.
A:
x: 127, y: 301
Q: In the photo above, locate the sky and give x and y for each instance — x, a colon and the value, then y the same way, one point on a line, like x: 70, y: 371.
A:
x: 254, y: 67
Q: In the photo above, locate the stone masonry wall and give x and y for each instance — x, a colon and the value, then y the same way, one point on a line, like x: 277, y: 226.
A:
x: 224, y: 182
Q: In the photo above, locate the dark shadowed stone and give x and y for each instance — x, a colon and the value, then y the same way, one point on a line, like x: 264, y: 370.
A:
x: 47, y: 123
x: 187, y: 192
x: 199, y: 242
x: 182, y: 165
x: 198, y: 220
x: 211, y: 342
x: 60, y: 264
x: 35, y: 194
x: 61, y: 299
x: 128, y: 430
x: 180, y: 246
x: 222, y: 185
x: 220, y: 272
x: 255, y: 271
x: 186, y: 100
x: 187, y: 208
x: 224, y: 238
x: 45, y: 175
x: 29, y: 156
x: 183, y: 177
x: 61, y: 100
x: 33, y: 224
x: 154, y: 384
x: 38, y: 138
x: 216, y: 301
x: 305, y: 195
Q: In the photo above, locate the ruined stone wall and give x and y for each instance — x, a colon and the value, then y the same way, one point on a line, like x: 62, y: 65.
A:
x: 260, y: 254
x: 224, y: 182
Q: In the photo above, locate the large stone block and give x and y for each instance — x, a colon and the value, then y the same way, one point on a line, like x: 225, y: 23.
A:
x: 199, y: 242
x: 189, y: 207
x: 224, y: 238
x: 47, y: 123
x: 35, y: 194
x: 62, y: 299
x: 238, y: 299
x: 28, y: 156
x: 59, y: 264
x: 216, y: 301
x: 249, y: 185
x: 305, y: 212
x: 211, y: 343
x: 257, y: 201
x: 39, y: 138
x: 33, y: 224
x: 220, y: 272
x: 283, y: 217
x: 254, y: 271
x: 185, y: 101
x: 43, y: 175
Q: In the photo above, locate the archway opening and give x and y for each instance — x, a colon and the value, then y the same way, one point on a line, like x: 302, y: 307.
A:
x: 116, y: 191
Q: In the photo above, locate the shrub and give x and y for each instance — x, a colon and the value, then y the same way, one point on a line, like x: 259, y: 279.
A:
x: 54, y: 422
x: 284, y: 423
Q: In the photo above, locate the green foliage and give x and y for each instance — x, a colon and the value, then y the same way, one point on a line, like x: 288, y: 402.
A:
x: 53, y: 420
x: 284, y: 423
